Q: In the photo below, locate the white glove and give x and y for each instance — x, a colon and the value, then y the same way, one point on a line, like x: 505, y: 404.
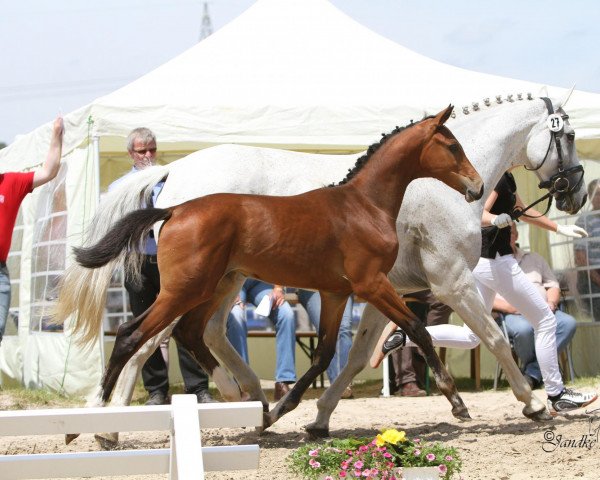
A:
x: 502, y: 221
x: 571, y: 231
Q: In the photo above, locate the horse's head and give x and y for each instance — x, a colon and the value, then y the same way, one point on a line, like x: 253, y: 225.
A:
x: 551, y: 153
x: 443, y: 158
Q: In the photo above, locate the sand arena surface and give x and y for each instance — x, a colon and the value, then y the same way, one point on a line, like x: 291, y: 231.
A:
x: 498, y: 443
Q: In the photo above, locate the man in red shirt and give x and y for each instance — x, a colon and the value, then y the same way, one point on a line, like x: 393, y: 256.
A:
x: 13, y: 188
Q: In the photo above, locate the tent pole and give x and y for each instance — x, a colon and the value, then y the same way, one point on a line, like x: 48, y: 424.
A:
x: 96, y: 153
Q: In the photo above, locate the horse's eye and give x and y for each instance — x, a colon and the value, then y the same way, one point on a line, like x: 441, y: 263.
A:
x: 453, y: 147
x: 571, y: 137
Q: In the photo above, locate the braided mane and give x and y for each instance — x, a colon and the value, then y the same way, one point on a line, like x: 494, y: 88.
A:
x: 362, y: 161
x: 488, y: 103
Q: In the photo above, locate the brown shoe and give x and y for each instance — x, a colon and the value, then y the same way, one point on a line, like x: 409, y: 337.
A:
x: 281, y: 389
x: 411, y: 389
x: 347, y: 394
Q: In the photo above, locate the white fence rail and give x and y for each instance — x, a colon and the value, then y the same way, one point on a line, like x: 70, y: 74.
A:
x: 183, y: 419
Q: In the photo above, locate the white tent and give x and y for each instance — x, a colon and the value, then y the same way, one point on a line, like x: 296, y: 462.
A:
x: 296, y: 74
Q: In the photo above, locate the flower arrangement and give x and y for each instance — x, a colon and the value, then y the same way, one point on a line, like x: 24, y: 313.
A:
x: 382, y: 457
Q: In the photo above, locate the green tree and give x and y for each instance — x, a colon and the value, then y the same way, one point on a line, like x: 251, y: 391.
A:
x: 2, y: 145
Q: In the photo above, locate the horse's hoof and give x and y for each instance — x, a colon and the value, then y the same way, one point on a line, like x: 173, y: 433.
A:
x: 267, y: 420
x: 107, y: 441
x: 69, y: 437
x: 461, y: 413
x: 315, y: 432
x: 538, y: 416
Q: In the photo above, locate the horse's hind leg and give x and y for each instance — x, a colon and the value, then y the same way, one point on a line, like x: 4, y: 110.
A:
x: 369, y: 329
x: 123, y: 391
x: 189, y: 334
x: 380, y: 293
x: 332, y: 310
x: 217, y: 341
x: 133, y: 334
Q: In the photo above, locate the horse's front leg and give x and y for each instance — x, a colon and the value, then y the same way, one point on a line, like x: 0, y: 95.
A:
x: 332, y: 310
x: 369, y: 329
x: 469, y: 306
x: 380, y: 293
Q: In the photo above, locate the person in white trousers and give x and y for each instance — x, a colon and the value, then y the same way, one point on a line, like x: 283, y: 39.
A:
x: 498, y: 272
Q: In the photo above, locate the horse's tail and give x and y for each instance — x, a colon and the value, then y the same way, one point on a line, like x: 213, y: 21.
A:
x: 82, y: 291
x: 94, y: 267
x: 129, y: 233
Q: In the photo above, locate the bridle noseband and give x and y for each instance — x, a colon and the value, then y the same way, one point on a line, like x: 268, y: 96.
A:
x: 559, y: 182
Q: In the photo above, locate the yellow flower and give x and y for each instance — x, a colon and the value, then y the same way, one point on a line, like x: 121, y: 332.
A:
x: 391, y: 436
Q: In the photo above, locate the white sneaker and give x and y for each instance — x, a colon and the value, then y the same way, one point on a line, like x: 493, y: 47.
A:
x: 570, y: 400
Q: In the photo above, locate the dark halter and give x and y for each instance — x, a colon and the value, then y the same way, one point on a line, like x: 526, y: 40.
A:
x: 559, y: 182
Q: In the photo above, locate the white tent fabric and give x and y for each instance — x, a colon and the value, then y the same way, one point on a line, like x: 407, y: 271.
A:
x: 295, y: 74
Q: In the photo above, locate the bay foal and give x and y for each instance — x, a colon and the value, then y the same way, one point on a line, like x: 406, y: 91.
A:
x: 336, y: 240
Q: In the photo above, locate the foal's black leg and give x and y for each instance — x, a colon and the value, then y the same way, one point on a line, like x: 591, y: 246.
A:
x: 387, y: 301
x: 332, y: 310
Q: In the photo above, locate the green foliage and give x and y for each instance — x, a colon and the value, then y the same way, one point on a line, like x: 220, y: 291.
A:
x: 378, y: 458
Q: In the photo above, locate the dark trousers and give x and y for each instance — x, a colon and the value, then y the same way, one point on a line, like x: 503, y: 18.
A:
x: 155, y: 373
x: 408, y: 365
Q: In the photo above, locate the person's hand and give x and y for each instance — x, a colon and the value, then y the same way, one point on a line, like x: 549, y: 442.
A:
x: 553, y: 305
x: 277, y: 295
x: 502, y: 221
x: 58, y: 127
x: 571, y: 231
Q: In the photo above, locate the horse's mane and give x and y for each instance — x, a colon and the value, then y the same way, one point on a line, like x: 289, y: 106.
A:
x: 488, y: 103
x: 362, y: 161
x: 475, y: 107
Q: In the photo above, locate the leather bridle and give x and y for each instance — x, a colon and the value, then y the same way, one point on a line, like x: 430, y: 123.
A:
x: 558, y: 183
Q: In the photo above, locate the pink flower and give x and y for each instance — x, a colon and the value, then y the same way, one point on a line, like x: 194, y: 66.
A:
x: 448, y: 458
x: 328, y: 477
x: 366, y: 473
x: 417, y: 440
x: 342, y: 474
x: 363, y: 448
x: 344, y: 466
x: 430, y: 457
x: 313, y: 463
x: 387, y: 455
x: 374, y: 472
x: 358, y: 465
x: 357, y: 473
x: 417, y: 452
x: 313, y: 453
x: 443, y: 469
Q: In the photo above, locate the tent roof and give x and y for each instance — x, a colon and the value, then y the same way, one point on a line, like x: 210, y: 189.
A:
x: 299, y: 74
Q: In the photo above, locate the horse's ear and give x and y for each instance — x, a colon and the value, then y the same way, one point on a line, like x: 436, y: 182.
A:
x: 565, y: 99
x: 543, y: 91
x: 444, y: 115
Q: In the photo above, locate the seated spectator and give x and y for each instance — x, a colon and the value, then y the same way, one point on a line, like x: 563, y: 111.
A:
x: 284, y: 321
x: 587, y: 253
x: 311, y: 301
x: 519, y: 329
x: 407, y: 375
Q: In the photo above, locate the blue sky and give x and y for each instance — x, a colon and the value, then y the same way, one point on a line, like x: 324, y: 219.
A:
x: 60, y: 55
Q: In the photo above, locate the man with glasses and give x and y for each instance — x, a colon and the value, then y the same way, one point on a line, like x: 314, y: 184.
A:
x: 141, y: 145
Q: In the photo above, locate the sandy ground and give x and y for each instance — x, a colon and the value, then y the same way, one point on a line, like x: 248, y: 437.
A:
x: 498, y: 443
